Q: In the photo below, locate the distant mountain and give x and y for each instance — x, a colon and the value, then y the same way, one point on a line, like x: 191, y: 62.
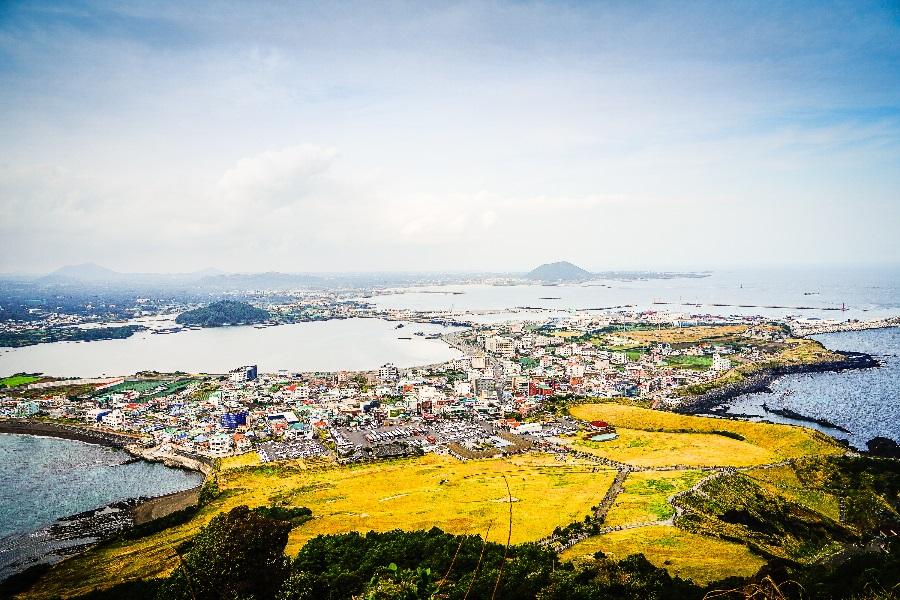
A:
x: 84, y: 272
x: 92, y: 273
x: 559, y: 271
x: 224, y: 312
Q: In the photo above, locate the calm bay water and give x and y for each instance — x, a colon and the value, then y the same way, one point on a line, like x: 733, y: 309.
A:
x: 45, y: 479
x: 866, y: 402
x: 867, y: 293
x: 354, y: 344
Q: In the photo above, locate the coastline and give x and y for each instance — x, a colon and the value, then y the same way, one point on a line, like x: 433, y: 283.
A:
x: 73, y: 534
x: 760, y: 381
x: 90, y: 435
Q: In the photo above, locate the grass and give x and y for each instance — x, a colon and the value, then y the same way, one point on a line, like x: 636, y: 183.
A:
x: 690, y: 556
x: 247, y: 459
x: 661, y: 449
x: 17, y: 380
x: 735, y: 507
x: 783, y: 481
x: 644, y: 497
x: 685, y: 335
x: 657, y: 438
x: 458, y: 497
x: 699, y: 363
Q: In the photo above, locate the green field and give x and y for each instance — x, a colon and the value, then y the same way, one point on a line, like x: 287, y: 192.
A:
x: 17, y: 380
x: 689, y: 362
x: 145, y: 386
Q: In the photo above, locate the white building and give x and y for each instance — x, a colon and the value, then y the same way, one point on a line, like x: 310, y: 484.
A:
x: 246, y: 373
x: 388, y: 372
x: 220, y: 445
x: 114, y: 419
x: 720, y: 363
x: 618, y: 358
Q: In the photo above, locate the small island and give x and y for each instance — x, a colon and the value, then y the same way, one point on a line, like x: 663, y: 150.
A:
x: 223, y: 313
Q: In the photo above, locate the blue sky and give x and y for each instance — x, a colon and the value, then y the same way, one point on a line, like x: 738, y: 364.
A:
x: 467, y: 136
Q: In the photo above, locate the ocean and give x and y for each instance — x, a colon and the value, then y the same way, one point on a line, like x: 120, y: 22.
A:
x: 45, y: 479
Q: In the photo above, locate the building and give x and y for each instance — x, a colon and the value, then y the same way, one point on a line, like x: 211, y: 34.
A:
x: 246, y: 373
x: 388, y: 372
x: 720, y: 363
x: 220, y: 445
x: 500, y: 345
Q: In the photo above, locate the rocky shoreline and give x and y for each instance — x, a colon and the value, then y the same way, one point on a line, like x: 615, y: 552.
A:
x: 79, y: 433
x: 74, y: 534
x: 761, y: 380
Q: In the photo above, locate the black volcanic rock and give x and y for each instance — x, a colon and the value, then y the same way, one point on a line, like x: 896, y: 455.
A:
x: 559, y: 271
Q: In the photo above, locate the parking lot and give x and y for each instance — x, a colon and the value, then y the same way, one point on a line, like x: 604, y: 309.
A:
x: 421, y: 435
x: 292, y: 450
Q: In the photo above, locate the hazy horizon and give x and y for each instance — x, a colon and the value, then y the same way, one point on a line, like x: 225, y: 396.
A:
x: 467, y: 137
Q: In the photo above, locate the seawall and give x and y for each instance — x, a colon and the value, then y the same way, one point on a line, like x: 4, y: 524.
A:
x: 80, y: 433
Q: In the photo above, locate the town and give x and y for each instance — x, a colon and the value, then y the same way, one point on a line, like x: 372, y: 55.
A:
x: 503, y: 395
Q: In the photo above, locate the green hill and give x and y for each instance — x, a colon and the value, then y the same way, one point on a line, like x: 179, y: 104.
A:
x: 224, y: 312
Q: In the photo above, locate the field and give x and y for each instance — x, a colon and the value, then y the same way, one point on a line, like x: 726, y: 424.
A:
x: 247, y: 459
x: 685, y: 335
x: 661, y: 449
x: 17, y: 380
x: 699, y: 363
x: 432, y: 491
x: 145, y: 386
x: 644, y: 497
x: 688, y: 555
x: 657, y: 438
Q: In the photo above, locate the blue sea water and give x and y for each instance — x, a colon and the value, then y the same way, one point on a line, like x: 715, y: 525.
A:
x: 865, y: 402
x: 44, y: 479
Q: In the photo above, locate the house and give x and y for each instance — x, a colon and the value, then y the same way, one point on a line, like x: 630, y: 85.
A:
x: 220, y: 445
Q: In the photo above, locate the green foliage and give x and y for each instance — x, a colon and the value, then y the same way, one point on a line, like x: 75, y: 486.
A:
x: 433, y: 564
x: 209, y: 491
x: 238, y: 555
x: 224, y: 312
x: 30, y: 337
x: 735, y: 507
x: 295, y: 515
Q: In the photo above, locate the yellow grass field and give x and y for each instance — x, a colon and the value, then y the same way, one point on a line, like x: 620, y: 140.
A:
x: 661, y: 449
x: 645, y: 495
x: 683, y: 335
x: 247, y: 459
x: 688, y: 555
x: 459, y: 497
x: 655, y: 438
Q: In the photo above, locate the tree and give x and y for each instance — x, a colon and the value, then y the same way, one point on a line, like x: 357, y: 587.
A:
x: 239, y: 555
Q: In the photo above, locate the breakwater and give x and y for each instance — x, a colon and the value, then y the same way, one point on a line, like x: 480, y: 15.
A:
x: 760, y: 381
x: 91, y: 435
x: 807, y: 329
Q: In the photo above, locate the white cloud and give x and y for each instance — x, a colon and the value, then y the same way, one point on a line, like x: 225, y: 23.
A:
x: 265, y: 176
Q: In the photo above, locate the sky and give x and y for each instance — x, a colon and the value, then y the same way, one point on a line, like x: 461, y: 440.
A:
x: 474, y: 136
